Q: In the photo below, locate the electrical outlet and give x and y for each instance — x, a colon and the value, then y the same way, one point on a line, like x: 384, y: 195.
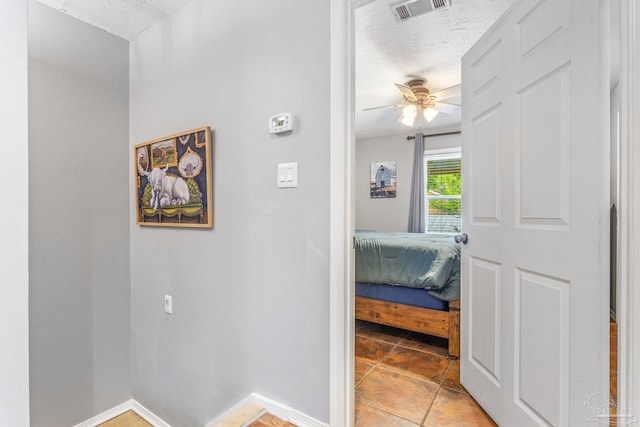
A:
x: 168, y: 304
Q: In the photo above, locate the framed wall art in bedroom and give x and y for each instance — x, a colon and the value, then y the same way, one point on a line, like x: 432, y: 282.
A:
x: 382, y: 184
x: 173, y: 177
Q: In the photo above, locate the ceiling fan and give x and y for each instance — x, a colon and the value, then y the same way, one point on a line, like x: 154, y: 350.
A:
x: 419, y: 99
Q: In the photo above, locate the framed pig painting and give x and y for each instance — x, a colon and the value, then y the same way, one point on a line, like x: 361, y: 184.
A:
x: 173, y: 177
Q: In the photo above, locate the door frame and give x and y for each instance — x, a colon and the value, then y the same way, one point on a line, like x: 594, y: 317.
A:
x: 341, y: 212
x: 628, y: 209
x: 342, y: 208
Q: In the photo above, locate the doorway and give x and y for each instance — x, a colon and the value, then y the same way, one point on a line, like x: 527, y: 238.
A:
x: 383, y: 63
x: 348, y: 156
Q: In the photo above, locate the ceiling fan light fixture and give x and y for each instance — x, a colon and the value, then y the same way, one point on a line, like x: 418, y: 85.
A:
x: 408, y: 120
x: 409, y: 114
x: 410, y: 111
x: 430, y: 114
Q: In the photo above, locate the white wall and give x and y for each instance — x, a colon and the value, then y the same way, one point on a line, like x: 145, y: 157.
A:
x: 79, y: 213
x: 250, y: 297
x: 14, y: 267
x: 389, y: 214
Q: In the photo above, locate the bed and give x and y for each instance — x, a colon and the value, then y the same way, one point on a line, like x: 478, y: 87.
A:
x: 409, y: 281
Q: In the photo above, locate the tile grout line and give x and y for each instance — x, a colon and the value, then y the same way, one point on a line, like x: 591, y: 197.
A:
x: 380, y: 365
x: 435, y: 395
x: 446, y: 373
x: 421, y: 351
x: 399, y: 344
x: 375, y: 365
x: 440, y: 386
x: 395, y: 345
x: 379, y: 362
x: 380, y: 340
x: 364, y: 376
x: 424, y: 419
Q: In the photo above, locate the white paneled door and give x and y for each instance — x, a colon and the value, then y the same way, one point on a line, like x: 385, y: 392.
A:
x: 535, y: 191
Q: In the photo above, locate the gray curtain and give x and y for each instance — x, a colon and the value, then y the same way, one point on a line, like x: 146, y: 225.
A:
x: 416, y: 204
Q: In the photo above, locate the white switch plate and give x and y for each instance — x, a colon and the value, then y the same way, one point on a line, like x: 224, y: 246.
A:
x: 287, y: 175
x: 168, y: 304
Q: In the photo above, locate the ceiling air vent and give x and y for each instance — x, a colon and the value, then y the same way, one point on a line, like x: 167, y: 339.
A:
x: 413, y: 8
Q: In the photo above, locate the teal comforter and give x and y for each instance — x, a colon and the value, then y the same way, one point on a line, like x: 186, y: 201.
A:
x: 409, y: 259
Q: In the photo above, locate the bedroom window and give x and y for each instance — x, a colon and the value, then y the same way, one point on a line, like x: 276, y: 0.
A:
x: 443, y: 181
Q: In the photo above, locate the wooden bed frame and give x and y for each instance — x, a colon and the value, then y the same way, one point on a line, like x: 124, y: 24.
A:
x: 443, y: 324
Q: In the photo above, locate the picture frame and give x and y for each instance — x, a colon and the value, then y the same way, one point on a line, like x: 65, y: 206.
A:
x: 174, y: 180
x: 382, y: 180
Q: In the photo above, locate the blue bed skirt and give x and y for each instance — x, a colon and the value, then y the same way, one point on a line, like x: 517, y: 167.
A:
x: 416, y: 297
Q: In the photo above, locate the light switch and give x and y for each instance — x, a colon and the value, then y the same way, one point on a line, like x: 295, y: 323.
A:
x: 287, y: 175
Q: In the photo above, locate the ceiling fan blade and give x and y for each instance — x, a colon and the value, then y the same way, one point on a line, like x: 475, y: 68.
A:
x: 449, y: 103
x: 406, y: 91
x: 448, y: 92
x: 447, y: 108
x: 384, y: 106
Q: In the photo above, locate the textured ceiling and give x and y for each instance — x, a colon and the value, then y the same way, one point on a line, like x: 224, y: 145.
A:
x: 429, y: 46
x: 124, y: 18
x: 387, y: 52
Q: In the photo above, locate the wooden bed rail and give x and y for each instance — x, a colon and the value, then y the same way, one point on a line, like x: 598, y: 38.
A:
x: 443, y: 324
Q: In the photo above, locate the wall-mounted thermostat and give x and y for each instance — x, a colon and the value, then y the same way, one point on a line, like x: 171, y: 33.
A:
x: 281, y: 123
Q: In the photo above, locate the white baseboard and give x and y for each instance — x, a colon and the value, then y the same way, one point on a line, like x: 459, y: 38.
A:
x: 129, y: 405
x: 149, y: 416
x: 231, y: 411
x: 275, y: 408
x: 304, y: 420
x: 278, y: 409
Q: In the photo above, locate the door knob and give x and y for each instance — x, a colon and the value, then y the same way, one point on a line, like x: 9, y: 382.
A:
x: 461, y: 238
